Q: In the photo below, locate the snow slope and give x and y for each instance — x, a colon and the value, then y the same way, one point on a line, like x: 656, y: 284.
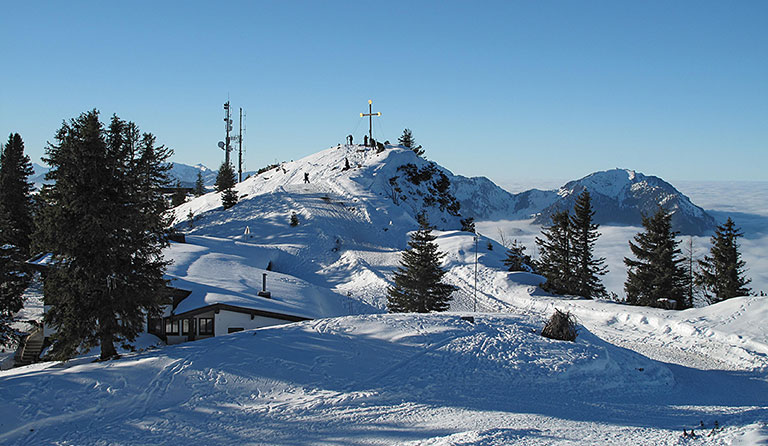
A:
x: 634, y: 376
x: 382, y: 379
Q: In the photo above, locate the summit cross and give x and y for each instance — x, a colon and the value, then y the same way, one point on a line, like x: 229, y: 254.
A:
x: 370, y: 115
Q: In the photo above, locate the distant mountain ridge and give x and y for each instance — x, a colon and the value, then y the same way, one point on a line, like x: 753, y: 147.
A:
x: 187, y: 175
x: 623, y: 196
x: 619, y: 196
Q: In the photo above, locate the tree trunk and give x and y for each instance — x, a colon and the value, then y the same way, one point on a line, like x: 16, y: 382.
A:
x: 107, y: 344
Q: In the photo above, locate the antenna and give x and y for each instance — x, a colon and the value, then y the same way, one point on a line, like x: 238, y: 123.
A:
x: 240, y: 149
x: 228, y: 126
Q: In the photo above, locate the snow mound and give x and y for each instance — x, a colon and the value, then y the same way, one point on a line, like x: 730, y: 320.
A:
x: 256, y: 383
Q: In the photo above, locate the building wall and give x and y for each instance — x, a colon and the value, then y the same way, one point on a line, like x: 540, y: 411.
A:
x: 230, y: 319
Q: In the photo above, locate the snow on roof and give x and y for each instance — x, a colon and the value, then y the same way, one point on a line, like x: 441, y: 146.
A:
x: 225, y: 271
x: 44, y: 259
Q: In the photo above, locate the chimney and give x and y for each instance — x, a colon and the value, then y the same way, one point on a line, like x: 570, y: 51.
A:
x: 264, y: 292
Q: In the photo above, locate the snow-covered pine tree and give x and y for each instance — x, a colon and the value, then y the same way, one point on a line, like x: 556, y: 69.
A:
x: 418, y: 286
x: 225, y: 183
x: 656, y: 277
x: 721, y: 273
x: 103, y: 220
x: 406, y: 140
x: 556, y: 261
x: 15, y: 229
x: 586, y: 268
x: 517, y: 259
x: 199, y: 185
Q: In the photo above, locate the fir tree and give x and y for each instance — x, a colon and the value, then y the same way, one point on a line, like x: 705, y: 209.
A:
x: 556, y: 261
x: 199, y: 185
x: 225, y: 179
x: 689, y: 271
x: 586, y: 268
x: 225, y: 183
x: 468, y: 224
x: 406, y: 140
x: 417, y: 281
x: 104, y: 221
x: 721, y: 274
x: 179, y: 195
x: 517, y: 259
x: 294, y: 221
x: 228, y: 198
x: 16, y: 223
x: 14, y: 279
x: 15, y: 229
x: 656, y: 277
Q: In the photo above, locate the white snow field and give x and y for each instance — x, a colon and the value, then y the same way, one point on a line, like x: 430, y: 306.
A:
x: 634, y: 376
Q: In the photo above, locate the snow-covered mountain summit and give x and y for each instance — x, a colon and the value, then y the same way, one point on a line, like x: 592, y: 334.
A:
x: 622, y: 196
x: 381, y: 188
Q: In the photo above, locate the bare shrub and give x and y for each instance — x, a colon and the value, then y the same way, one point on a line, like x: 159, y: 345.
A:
x: 561, y: 326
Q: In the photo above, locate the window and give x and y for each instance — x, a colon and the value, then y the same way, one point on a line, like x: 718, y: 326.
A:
x: 185, y: 326
x: 205, y: 326
x: 155, y: 325
x: 171, y: 327
x: 234, y: 329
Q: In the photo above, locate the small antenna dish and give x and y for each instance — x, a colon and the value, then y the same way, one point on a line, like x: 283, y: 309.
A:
x: 221, y: 144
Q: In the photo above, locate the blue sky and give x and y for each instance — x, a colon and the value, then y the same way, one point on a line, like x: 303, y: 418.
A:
x: 508, y: 90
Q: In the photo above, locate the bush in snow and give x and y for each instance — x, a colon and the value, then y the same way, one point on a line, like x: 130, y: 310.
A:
x: 294, y: 219
x: 561, y: 326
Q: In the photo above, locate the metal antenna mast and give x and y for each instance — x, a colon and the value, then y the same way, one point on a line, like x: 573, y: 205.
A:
x: 226, y: 144
x: 240, y: 149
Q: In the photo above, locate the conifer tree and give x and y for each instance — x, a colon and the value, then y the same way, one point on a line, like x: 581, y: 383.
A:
x: 586, y: 268
x: 406, y: 140
x: 468, y: 224
x: 15, y: 195
x: 418, y: 286
x: 15, y: 229
x: 199, y: 185
x: 179, y: 196
x: 556, y: 261
x: 225, y: 179
x: 225, y: 183
x: 656, y: 277
x: 689, y: 271
x: 104, y: 221
x: 517, y: 259
x: 721, y: 273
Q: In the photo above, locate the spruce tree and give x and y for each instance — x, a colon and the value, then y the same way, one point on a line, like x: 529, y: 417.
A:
x: 689, y: 271
x: 15, y: 195
x: 225, y: 183
x: 104, y: 221
x: 586, y: 268
x: 556, y: 261
x: 179, y: 195
x: 418, y: 286
x: 15, y: 229
x: 656, y: 277
x: 721, y: 274
x: 406, y: 140
x: 199, y: 185
x: 517, y: 259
